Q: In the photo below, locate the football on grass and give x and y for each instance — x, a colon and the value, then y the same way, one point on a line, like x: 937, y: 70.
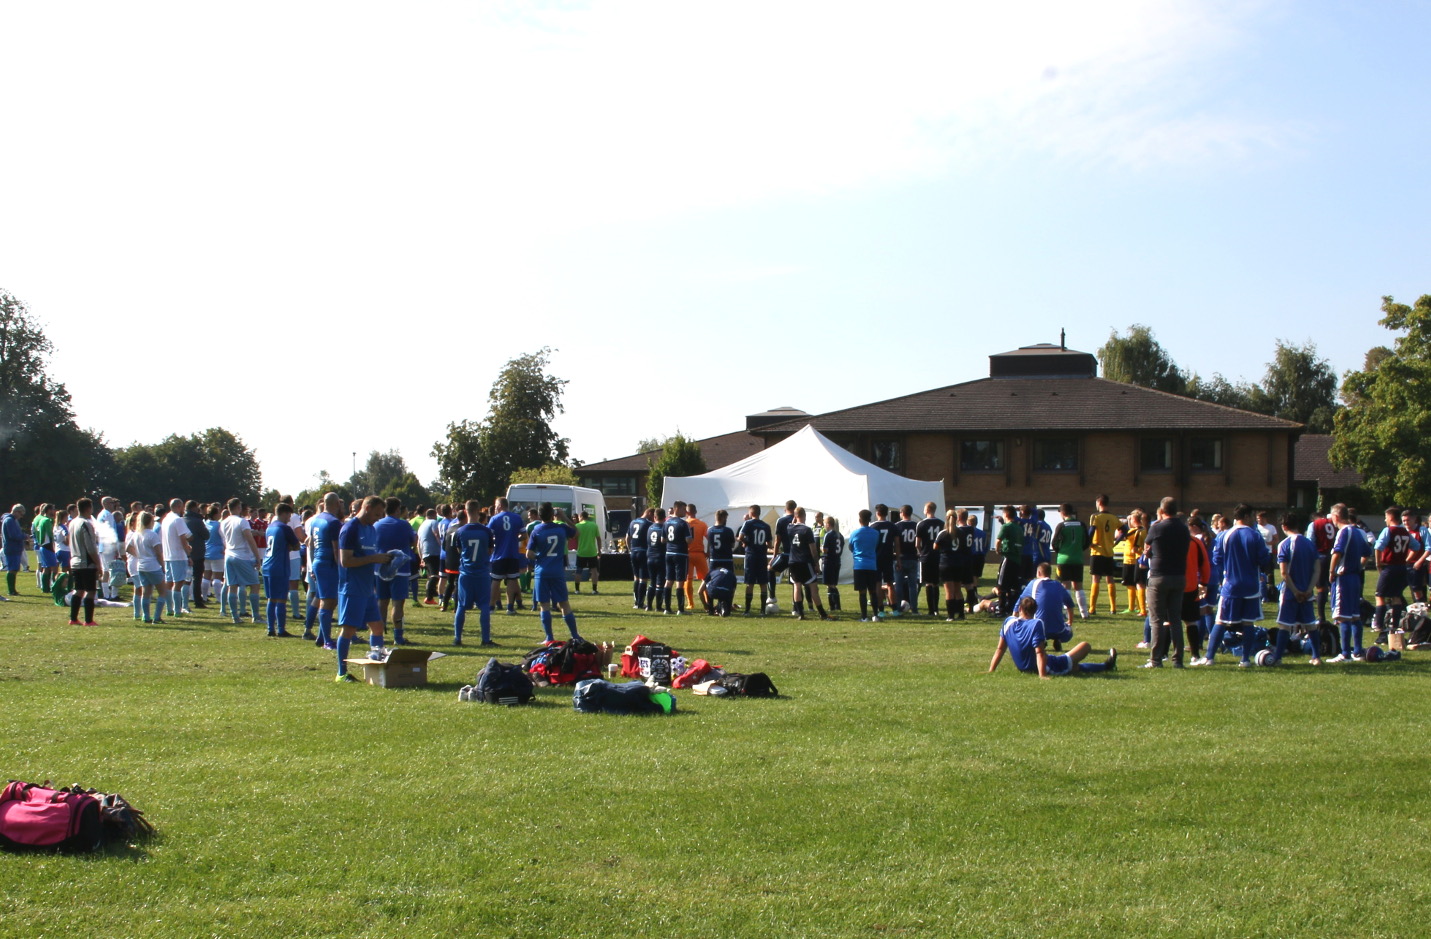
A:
x: 1265, y: 657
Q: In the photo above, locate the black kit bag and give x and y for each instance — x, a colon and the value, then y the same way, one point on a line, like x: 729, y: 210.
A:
x: 503, y: 684
x: 755, y: 685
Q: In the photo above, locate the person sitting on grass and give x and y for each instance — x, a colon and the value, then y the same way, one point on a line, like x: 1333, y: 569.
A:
x: 1022, y: 637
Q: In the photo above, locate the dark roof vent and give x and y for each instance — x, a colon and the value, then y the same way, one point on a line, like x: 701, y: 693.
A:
x: 773, y: 416
x: 1044, y: 360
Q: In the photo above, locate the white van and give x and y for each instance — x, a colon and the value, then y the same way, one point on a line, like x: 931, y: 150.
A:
x: 572, y: 500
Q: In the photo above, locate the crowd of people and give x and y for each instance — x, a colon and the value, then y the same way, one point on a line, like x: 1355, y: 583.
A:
x: 356, y: 565
x: 1189, y: 577
x: 1193, y: 580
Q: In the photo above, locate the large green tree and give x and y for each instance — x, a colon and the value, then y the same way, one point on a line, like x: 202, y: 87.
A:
x: 1298, y: 386
x: 386, y: 474
x: 44, y: 455
x: 476, y: 460
x: 1139, y: 359
x: 210, y: 466
x: 1384, y: 431
x: 680, y: 456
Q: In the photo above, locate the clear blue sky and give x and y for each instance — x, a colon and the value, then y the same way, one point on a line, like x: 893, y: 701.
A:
x: 327, y: 226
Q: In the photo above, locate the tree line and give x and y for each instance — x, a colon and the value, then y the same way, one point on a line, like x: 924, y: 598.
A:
x: 1379, y: 416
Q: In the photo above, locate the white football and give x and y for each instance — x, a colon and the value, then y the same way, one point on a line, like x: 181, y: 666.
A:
x: 772, y: 607
x: 1265, y: 657
x: 904, y: 606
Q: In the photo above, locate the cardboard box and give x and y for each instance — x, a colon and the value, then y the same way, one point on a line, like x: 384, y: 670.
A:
x: 403, y: 668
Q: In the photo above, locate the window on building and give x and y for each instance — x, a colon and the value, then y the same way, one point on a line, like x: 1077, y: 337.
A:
x: 1155, y: 454
x: 885, y: 454
x: 1055, y: 455
x: 1205, y: 454
x: 981, y: 456
x: 612, y: 485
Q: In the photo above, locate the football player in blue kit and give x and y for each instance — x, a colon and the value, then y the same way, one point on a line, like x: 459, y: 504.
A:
x: 926, y: 533
x: 1349, y: 554
x: 1022, y: 637
x: 678, y: 545
x: 720, y: 542
x: 832, y: 549
x: 885, y: 551
x: 1240, y: 555
x: 358, y: 557
x: 323, y: 565
x: 755, y: 538
x: 508, y: 530
x: 474, y: 577
x: 546, y: 548
x: 281, y: 540
x: 906, y: 566
x: 804, y: 566
x: 395, y: 534
x: 1298, y: 560
x: 656, y: 596
x: 636, y: 550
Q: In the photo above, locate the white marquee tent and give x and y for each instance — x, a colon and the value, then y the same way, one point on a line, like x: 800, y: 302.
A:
x: 813, y: 470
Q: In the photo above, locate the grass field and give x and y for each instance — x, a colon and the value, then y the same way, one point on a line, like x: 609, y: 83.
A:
x: 894, y: 789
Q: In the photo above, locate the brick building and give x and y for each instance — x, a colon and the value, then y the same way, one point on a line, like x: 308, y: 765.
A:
x: 1042, y: 428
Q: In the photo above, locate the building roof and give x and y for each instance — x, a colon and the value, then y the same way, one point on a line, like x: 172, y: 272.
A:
x: 718, y: 452
x: 1034, y: 404
x: 1311, y: 463
x: 1043, y: 360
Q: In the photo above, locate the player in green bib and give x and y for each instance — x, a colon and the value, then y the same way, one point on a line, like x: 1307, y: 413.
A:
x: 1070, y: 543
x: 588, y: 551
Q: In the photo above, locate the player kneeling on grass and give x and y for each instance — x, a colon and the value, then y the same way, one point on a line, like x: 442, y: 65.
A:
x: 718, y: 591
x: 1022, y: 637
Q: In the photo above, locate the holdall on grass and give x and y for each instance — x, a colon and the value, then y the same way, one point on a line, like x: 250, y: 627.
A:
x: 596, y: 696
x: 754, y: 685
x: 562, y: 663
x: 503, y: 684
x: 74, y: 819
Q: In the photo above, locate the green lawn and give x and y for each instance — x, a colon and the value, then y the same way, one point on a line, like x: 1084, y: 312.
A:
x: 894, y: 789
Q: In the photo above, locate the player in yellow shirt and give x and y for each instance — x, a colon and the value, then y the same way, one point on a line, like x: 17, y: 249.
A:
x: 696, y: 568
x: 1103, y: 533
x: 1135, y: 578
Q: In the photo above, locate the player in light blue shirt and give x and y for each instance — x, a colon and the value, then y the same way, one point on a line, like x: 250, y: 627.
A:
x: 863, y: 544
x: 546, y: 548
x: 474, y: 576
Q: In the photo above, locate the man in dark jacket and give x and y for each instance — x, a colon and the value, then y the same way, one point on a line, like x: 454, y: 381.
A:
x: 198, y: 535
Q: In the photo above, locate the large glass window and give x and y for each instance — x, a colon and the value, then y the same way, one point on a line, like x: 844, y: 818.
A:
x: 1055, y: 454
x: 1205, y: 454
x: 612, y: 485
x: 1155, y: 454
x: 886, y: 454
x: 981, y: 456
